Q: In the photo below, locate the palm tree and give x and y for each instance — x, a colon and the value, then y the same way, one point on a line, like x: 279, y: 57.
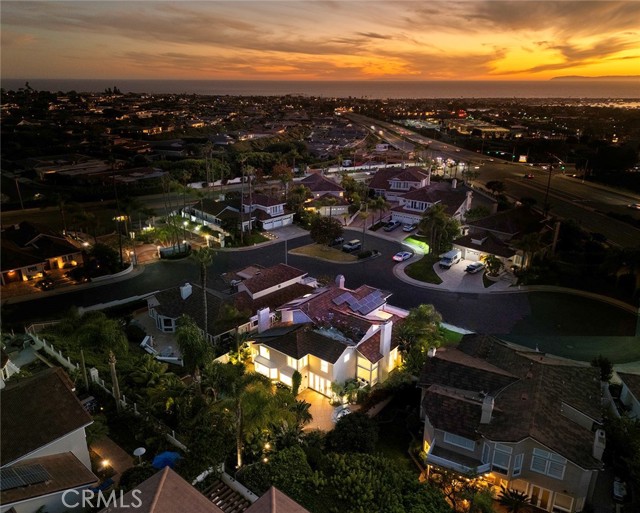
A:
x: 204, y: 257
x: 150, y: 372
x: 529, y: 244
x: 433, y: 221
x: 379, y: 204
x: 513, y: 500
x: 195, y: 350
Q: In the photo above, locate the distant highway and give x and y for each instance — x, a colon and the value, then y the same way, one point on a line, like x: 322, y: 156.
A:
x: 568, y: 197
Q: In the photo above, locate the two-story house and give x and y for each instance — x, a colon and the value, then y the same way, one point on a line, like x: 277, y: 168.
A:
x: 269, y: 212
x: 221, y: 216
x: 454, y: 197
x: 256, y: 287
x: 393, y: 183
x: 499, y: 233
x: 43, y: 443
x: 516, y: 417
x: 331, y: 335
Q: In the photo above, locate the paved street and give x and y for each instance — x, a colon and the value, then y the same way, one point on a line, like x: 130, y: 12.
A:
x: 530, y: 317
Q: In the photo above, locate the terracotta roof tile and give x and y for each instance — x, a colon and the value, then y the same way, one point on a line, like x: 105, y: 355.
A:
x: 274, y: 501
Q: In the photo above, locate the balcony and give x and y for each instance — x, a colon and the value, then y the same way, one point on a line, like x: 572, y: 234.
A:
x: 452, y: 460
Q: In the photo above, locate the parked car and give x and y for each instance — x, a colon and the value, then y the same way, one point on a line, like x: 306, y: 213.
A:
x: 336, y: 241
x: 475, y: 267
x: 391, y: 225
x: 529, y: 175
x: 45, y: 284
x: 409, y: 227
x: 401, y: 256
x: 352, y: 245
x: 339, y: 412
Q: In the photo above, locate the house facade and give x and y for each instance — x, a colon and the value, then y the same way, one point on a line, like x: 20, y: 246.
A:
x: 331, y: 335
x: 269, y: 212
x: 519, y: 418
x: 393, y: 183
x: 499, y: 234
x: 50, y: 455
x: 28, y: 252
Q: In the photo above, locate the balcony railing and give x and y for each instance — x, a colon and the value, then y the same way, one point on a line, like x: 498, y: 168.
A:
x: 457, y: 466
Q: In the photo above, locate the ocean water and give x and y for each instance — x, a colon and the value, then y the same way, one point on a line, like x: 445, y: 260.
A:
x: 598, y: 89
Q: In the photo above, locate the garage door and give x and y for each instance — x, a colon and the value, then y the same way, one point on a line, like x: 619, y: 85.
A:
x: 472, y: 255
x: 277, y: 224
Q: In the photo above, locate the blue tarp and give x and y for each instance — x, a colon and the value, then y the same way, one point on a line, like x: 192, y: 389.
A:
x: 166, y: 459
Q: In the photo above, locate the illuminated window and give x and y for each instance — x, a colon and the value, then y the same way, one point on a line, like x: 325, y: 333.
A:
x: 304, y: 362
x: 562, y: 502
x: 292, y: 362
x: 264, y: 352
x: 324, y: 366
x: 286, y: 379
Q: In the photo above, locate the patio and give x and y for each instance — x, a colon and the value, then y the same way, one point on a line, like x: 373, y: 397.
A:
x: 320, y: 409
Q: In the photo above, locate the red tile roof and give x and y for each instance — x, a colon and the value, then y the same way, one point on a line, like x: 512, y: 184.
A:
x: 272, y: 276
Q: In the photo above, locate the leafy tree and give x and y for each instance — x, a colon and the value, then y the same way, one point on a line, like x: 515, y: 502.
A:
x: 325, y: 229
x: 419, y: 331
x: 208, y: 441
x: 99, y: 332
x: 106, y: 259
x: 133, y: 476
x: 513, y: 500
x: 364, y: 483
x: 287, y: 470
x: 476, y: 213
x: 496, y: 186
x: 356, y: 432
x: 605, y: 366
x: 284, y: 173
x: 97, y: 430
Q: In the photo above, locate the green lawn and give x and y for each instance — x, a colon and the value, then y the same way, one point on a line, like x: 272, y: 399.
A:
x: 419, y: 242
x: 325, y: 252
x: 451, y: 338
x: 422, y: 270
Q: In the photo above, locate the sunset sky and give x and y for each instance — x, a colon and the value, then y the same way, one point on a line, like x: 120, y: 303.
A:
x: 319, y: 40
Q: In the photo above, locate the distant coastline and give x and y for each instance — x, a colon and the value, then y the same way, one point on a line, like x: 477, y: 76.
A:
x: 587, y: 89
x: 610, y: 78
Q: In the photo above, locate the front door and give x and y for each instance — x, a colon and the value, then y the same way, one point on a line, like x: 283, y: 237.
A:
x: 540, y: 497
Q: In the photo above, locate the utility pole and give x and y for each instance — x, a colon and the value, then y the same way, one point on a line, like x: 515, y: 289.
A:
x: 114, y: 380
x: 546, y: 195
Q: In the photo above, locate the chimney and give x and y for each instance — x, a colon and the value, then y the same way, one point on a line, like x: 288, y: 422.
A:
x: 454, y: 183
x: 428, y: 177
x: 185, y: 290
x: 385, y: 337
x: 264, y: 319
x: 487, y: 409
x: 340, y: 281
x: 599, y: 443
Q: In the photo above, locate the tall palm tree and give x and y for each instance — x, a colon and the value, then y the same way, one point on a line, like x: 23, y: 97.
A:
x: 204, y: 257
x: 433, y: 221
x: 379, y: 204
x: 195, y: 350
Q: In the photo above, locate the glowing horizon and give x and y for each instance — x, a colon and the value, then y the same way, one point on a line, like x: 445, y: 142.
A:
x: 302, y: 40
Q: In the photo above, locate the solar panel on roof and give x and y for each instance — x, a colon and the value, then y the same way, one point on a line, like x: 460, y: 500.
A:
x: 15, y: 477
x: 341, y: 298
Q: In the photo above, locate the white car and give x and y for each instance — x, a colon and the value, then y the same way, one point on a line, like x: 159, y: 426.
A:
x: 475, y: 267
x: 409, y: 227
x: 402, y: 256
x: 339, y: 412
